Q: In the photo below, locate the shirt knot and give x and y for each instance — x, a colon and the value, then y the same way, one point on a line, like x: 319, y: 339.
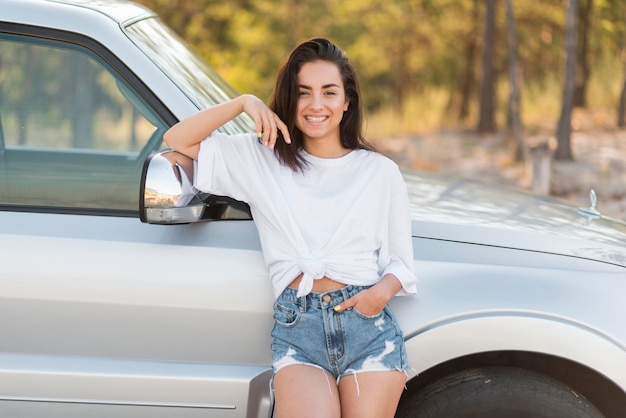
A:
x: 312, y: 269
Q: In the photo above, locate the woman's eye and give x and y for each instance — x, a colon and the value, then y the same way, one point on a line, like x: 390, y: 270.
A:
x: 331, y: 93
x: 303, y: 92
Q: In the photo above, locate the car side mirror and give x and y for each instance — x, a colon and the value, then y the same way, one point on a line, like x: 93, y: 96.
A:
x: 167, y: 195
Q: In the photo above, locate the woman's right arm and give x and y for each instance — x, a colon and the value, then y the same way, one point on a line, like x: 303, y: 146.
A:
x: 186, y: 135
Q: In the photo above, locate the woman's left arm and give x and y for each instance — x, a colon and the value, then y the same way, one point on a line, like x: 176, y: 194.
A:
x: 395, y: 255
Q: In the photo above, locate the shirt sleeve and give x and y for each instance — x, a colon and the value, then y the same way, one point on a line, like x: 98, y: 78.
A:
x: 225, y: 165
x: 396, y: 255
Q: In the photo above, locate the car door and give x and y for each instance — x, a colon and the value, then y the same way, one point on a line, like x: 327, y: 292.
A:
x: 101, y: 315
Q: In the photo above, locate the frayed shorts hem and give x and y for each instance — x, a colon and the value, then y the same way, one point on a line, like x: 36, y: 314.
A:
x: 326, y: 373
x: 347, y: 372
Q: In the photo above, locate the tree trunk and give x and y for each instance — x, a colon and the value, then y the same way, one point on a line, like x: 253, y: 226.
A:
x: 468, y: 81
x: 486, y: 121
x: 583, y: 70
x: 564, y: 129
x: 514, y: 122
x: 621, y: 105
x: 402, y: 78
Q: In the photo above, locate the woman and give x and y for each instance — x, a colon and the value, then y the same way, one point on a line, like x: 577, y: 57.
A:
x: 334, y: 224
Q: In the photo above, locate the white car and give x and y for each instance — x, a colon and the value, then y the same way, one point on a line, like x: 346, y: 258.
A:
x: 520, y: 307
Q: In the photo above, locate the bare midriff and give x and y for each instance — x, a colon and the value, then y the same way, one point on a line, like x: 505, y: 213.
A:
x: 325, y: 284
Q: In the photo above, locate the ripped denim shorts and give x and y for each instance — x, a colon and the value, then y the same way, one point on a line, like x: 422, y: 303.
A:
x: 307, y: 330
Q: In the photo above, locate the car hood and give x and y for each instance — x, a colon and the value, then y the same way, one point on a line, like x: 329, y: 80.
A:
x: 470, y: 211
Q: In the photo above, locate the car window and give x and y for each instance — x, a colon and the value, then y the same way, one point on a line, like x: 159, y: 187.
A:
x: 73, y: 133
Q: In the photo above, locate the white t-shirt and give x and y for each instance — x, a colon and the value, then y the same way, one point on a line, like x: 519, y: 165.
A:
x: 345, y: 218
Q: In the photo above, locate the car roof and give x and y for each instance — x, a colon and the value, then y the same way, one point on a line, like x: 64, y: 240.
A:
x: 69, y: 13
x: 119, y: 10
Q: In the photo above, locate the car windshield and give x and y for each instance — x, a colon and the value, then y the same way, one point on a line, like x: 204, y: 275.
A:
x: 200, y: 83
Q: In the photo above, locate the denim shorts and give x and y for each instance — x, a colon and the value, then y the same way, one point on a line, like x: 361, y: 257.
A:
x: 307, y: 330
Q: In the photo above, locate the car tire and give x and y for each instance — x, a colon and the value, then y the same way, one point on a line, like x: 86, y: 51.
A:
x: 496, y: 392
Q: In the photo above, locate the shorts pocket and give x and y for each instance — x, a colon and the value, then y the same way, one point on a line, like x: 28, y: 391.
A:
x: 369, y: 317
x: 286, y: 314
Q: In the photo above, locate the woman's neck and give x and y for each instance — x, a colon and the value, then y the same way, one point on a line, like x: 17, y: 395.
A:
x: 324, y: 149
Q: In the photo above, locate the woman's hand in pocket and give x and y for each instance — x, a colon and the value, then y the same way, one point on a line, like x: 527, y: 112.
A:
x: 372, y: 301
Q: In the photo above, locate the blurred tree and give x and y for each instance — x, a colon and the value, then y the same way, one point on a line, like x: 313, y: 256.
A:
x: 514, y: 121
x: 464, y: 89
x: 621, y: 105
x: 486, y: 120
x: 390, y: 45
x: 401, y: 48
x: 583, y: 69
x: 564, y: 128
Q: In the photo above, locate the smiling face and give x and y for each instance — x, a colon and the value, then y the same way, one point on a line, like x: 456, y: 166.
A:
x: 321, y: 104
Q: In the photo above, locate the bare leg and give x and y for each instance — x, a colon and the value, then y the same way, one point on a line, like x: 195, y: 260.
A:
x: 302, y: 391
x: 376, y: 395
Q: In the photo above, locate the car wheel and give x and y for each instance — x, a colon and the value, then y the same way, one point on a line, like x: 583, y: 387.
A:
x: 497, y: 392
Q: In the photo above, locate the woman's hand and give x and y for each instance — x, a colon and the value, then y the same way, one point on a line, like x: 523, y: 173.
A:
x: 268, y: 124
x: 372, y: 301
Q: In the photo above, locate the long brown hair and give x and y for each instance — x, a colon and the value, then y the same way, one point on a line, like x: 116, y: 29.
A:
x: 284, y: 101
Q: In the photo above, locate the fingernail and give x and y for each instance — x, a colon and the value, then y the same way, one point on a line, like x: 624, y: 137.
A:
x: 337, y: 308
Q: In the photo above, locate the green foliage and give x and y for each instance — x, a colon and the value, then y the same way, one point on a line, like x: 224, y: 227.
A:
x: 403, y: 49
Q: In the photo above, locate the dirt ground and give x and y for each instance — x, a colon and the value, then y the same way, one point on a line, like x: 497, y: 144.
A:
x: 599, y: 163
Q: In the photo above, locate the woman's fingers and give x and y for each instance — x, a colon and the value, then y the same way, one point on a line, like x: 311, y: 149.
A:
x: 272, y: 132
x: 263, y: 128
x: 361, y: 302
x: 268, y: 126
x: 347, y: 304
x: 267, y: 123
x: 283, y: 128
